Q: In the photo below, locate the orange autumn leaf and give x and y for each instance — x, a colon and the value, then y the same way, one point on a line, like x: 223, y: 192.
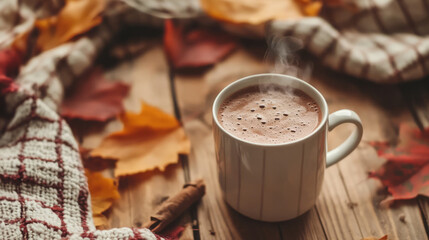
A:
x: 104, y: 192
x: 150, y: 139
x: 76, y: 17
x: 259, y: 11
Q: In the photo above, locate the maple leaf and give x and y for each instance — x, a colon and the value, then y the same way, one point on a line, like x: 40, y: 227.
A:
x: 149, y: 139
x: 195, y: 47
x: 257, y: 12
x: 406, y: 172
x: 104, y: 192
x: 76, y: 17
x: 94, y: 98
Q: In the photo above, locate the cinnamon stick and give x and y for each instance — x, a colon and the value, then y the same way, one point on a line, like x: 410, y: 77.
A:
x: 173, y: 207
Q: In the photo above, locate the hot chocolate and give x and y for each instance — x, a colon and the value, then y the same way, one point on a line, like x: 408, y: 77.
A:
x: 269, y: 114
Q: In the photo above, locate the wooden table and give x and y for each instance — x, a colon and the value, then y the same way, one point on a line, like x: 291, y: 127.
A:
x: 348, y: 206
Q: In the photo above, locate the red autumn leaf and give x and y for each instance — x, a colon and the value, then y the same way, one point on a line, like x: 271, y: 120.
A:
x: 195, y: 47
x: 94, y: 99
x: 10, y: 60
x: 406, y: 172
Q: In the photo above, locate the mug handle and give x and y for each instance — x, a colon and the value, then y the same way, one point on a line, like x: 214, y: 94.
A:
x: 335, y: 119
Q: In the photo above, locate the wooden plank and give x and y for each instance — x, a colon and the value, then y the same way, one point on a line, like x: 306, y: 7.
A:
x: 141, y: 194
x: 217, y: 220
x: 337, y: 218
x: 363, y: 194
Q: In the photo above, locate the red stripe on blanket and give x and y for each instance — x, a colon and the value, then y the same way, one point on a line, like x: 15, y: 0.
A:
x: 21, y: 178
x: 28, y: 157
x: 59, y: 143
x: 366, y: 66
x: 32, y: 221
x: 83, y: 203
x: 375, y: 13
x: 24, y: 139
x: 408, y: 16
x: 310, y: 37
x: 396, y: 73
x: 43, y: 223
x: 329, y: 48
x: 13, y: 221
x: 28, y: 119
x: 344, y: 59
x: 53, y: 208
x: 89, y: 235
x: 420, y: 56
x: 21, y: 173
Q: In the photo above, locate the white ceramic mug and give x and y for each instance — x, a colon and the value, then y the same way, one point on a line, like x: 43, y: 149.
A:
x: 277, y: 182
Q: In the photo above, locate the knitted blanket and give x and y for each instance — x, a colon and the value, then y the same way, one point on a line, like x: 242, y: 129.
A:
x: 43, y: 189
x: 385, y: 41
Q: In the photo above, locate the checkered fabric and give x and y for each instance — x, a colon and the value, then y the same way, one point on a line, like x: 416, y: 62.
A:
x: 43, y: 189
x: 385, y: 41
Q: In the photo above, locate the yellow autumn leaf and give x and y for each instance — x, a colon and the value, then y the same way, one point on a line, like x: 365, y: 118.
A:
x: 258, y: 11
x: 76, y: 17
x: 150, y: 139
x: 104, y: 192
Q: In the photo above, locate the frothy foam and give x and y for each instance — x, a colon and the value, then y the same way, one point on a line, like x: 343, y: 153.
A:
x: 269, y: 114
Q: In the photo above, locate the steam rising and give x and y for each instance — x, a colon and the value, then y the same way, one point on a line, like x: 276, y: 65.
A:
x: 284, y: 54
